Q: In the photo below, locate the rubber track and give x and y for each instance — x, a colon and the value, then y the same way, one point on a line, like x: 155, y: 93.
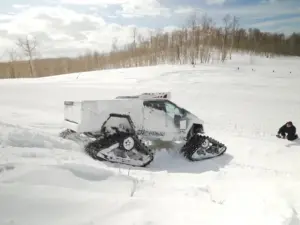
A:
x: 194, y: 144
x: 94, y: 147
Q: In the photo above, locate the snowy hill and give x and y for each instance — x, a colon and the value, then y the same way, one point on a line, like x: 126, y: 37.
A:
x: 47, y: 180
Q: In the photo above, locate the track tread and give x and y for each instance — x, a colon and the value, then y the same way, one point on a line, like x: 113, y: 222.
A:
x: 94, y: 147
x: 194, y: 144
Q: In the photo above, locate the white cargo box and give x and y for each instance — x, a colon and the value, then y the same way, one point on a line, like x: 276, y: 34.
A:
x: 88, y: 116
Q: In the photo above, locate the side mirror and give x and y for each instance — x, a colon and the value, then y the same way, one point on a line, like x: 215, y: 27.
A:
x: 182, y: 111
x: 183, y: 124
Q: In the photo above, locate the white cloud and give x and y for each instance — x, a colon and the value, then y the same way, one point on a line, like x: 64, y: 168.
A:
x: 5, y: 17
x: 20, y: 6
x: 286, y: 21
x: 129, y: 8
x: 245, y: 13
x: 215, y: 2
x: 184, y: 10
x: 260, y: 11
x: 61, y: 30
x: 263, y: 11
x: 274, y: 1
x: 94, y: 2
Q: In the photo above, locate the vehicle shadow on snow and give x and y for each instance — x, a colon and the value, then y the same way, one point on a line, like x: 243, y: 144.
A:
x: 174, y: 162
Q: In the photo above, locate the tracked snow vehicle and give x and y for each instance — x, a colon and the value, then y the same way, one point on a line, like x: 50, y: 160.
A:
x: 128, y: 129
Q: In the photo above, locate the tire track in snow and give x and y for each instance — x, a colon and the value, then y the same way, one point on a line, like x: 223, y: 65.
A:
x: 17, y: 136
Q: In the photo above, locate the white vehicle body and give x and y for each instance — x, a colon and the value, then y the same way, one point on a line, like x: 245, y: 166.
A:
x: 153, y: 114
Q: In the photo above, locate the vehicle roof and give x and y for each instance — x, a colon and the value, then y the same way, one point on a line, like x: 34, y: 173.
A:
x: 144, y: 100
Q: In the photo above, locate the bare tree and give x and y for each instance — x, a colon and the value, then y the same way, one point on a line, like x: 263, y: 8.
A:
x: 226, y: 32
x: 198, y: 39
x: 194, y: 43
x: 234, y: 28
x: 205, y: 34
x: 134, y: 45
x: 13, y: 57
x: 29, y: 48
x: 114, y: 44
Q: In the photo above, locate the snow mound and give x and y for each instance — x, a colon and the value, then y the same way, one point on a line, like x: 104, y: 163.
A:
x: 17, y: 136
x: 44, y: 194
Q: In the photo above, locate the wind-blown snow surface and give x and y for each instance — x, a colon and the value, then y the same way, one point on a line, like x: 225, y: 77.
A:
x: 47, y: 180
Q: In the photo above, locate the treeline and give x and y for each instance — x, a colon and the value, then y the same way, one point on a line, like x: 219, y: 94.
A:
x: 200, y: 41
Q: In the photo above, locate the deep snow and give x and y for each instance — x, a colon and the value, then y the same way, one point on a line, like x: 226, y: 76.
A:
x: 47, y: 180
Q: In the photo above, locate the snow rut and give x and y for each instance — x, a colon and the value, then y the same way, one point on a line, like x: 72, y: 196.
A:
x: 17, y: 136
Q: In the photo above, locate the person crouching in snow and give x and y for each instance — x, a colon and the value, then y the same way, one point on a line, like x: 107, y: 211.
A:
x: 287, y: 131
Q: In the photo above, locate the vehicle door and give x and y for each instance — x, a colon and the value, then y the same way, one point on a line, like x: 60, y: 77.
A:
x: 175, y: 121
x: 155, y: 118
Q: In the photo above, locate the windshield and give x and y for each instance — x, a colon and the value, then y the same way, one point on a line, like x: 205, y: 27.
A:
x: 173, y: 110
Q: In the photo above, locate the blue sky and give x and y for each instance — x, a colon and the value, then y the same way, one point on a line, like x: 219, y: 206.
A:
x: 71, y: 26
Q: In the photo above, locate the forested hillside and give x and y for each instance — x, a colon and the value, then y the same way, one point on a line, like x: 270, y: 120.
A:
x: 201, y: 41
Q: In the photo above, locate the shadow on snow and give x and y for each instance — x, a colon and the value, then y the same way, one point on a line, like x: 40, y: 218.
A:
x: 294, y: 143
x: 173, y: 162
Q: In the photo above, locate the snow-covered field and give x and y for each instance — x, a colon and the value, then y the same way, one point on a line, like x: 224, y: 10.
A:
x: 45, y: 180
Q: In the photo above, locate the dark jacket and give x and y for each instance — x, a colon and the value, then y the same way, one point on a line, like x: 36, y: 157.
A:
x: 288, y: 132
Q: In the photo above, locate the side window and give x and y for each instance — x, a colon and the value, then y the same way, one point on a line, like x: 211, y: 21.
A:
x: 155, y: 105
x: 172, y: 110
